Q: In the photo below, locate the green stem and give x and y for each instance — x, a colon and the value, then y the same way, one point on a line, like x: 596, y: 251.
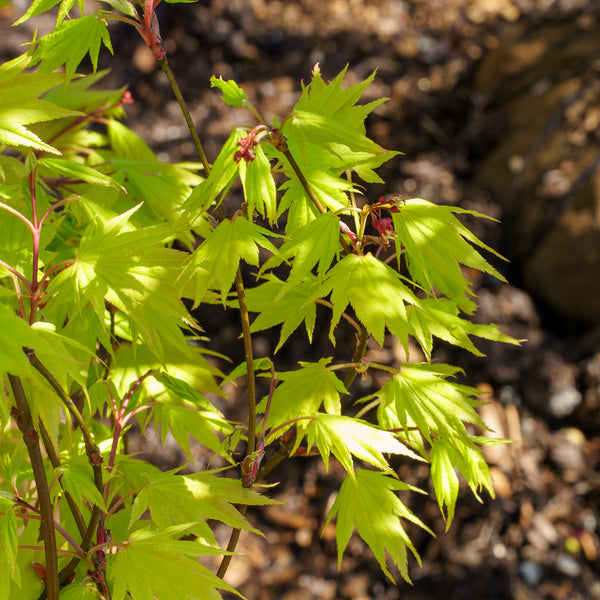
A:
x: 31, y: 439
x: 164, y: 65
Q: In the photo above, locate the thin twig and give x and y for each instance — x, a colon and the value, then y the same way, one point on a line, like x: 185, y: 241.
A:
x: 164, y: 65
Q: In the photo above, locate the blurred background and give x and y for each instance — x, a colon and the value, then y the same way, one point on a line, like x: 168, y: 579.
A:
x: 496, y: 107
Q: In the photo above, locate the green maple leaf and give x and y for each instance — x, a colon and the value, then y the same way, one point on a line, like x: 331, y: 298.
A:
x: 77, y: 479
x: 303, y: 391
x: 233, y: 95
x: 129, y: 268
x: 318, y: 242
x: 154, y: 564
x: 348, y: 436
x: 15, y: 334
x: 215, y: 262
x: 71, y: 41
x: 21, y: 106
x: 78, y: 96
x: 325, y: 130
x: 79, y: 590
x: 289, y: 309
x: 436, y: 243
x: 222, y: 176
x: 129, y: 145
x: 259, y: 187
x: 368, y: 502
x: 375, y: 291
x: 183, y: 422
x: 175, y: 499
x: 439, y: 317
x: 38, y: 7
x: 186, y: 375
x: 70, y: 169
x: 444, y: 478
x: 422, y: 395
x: 332, y: 98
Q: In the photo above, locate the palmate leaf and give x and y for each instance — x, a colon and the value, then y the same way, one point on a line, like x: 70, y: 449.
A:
x: 79, y: 590
x: 176, y: 499
x: 29, y: 585
x: 259, y: 186
x: 38, y: 7
x: 71, y: 41
x: 303, y: 391
x: 15, y: 334
x: 421, y: 395
x: 183, y: 422
x: 348, y: 436
x: 183, y: 364
x: 20, y: 105
x: 325, y: 130
x: 215, y: 262
x: 127, y: 144
x: 222, y: 175
x: 369, y: 503
x: 290, y: 309
x: 439, y: 317
x: 318, y: 242
x: 233, y: 95
x: 330, y: 189
x: 332, y: 99
x: 155, y: 564
x: 76, y: 171
x: 78, y: 96
x: 436, y: 243
x: 375, y: 291
x: 131, y: 269
x: 465, y: 456
x: 77, y: 479
x: 444, y: 478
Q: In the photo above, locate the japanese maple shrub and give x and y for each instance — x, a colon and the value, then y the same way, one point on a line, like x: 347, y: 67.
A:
x: 100, y: 245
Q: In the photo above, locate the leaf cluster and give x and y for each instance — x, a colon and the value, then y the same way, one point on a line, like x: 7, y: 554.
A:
x: 108, y: 257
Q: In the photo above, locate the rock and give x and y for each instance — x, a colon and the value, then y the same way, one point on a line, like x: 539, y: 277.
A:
x: 531, y: 572
x: 540, y: 94
x: 567, y: 565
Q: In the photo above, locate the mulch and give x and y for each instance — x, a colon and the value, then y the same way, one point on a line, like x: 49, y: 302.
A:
x: 539, y: 539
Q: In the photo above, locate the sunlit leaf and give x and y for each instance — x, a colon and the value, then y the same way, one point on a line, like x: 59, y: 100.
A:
x: 347, y: 436
x: 369, y: 503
